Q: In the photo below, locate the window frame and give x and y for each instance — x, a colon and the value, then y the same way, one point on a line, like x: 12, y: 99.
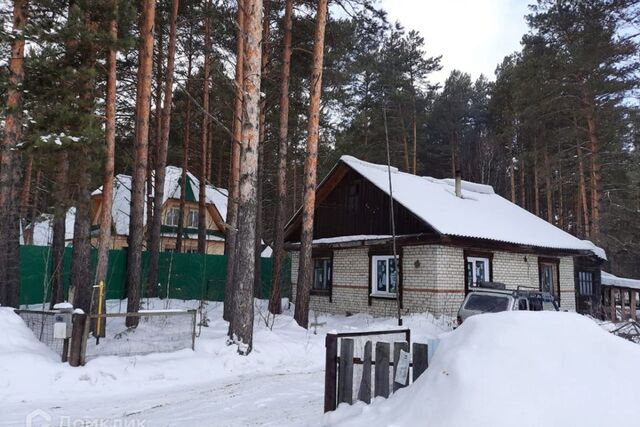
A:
x: 475, y: 255
x: 197, y: 218
x: 169, y: 214
x: 373, y: 283
x: 327, y: 260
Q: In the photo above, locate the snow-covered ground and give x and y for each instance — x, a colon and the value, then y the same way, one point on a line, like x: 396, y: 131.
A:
x: 280, y: 383
x: 516, y: 368
x: 505, y: 369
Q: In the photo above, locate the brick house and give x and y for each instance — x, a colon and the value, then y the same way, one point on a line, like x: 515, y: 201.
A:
x: 216, y: 211
x: 451, y: 234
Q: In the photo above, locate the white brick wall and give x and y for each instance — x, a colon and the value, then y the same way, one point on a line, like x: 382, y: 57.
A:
x: 433, y: 280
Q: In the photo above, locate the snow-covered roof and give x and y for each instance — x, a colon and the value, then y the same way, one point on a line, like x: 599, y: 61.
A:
x: 609, y: 279
x: 480, y: 213
x: 172, y: 189
x: 43, y: 228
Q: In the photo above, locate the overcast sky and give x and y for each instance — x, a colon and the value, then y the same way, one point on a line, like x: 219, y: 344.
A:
x: 471, y: 35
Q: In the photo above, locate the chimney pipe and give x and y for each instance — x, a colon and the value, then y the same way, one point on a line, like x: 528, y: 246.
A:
x: 458, y: 184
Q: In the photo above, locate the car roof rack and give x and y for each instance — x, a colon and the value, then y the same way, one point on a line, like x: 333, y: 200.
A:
x: 492, y: 285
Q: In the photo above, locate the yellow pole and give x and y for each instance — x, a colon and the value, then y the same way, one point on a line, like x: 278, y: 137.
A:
x: 100, y: 307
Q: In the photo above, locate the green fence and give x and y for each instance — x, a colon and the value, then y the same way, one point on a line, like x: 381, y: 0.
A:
x: 180, y: 275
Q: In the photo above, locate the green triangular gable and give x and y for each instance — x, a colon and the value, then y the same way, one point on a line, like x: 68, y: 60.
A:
x: 189, y: 195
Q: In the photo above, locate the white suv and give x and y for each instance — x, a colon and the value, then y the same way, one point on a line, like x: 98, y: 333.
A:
x: 493, y: 298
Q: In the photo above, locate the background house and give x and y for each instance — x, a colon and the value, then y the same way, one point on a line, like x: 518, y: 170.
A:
x: 447, y: 243
x: 40, y: 232
x: 216, y: 212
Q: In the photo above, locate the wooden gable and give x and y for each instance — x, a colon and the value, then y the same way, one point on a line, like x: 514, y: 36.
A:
x: 348, y: 204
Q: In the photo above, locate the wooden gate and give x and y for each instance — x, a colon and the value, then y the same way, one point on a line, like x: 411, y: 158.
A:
x: 374, y: 356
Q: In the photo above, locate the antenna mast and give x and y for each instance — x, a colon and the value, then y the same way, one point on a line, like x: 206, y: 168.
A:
x: 393, y: 221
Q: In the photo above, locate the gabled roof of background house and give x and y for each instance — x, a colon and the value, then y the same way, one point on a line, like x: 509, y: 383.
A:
x: 479, y: 214
x: 172, y: 189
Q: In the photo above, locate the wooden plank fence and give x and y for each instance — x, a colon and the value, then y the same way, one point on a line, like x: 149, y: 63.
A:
x: 404, y: 368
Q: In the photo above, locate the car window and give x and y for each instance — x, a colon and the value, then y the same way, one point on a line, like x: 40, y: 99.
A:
x: 535, y: 304
x: 487, y: 303
x: 522, y: 304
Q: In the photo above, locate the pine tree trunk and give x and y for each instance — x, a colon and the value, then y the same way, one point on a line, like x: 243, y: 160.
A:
x: 536, y: 187
x: 241, y: 326
x: 35, y: 205
x: 582, y: 192
x: 161, y: 156
x: 305, y: 270
x: 10, y: 165
x: 594, y: 145
x: 405, y: 143
x: 523, y: 189
x: 275, y: 305
x: 104, y: 240
x: 59, y: 228
x: 512, y: 179
x: 81, y: 280
x: 154, y: 142
x: 26, y: 188
x: 234, y: 168
x: 141, y: 142
x: 547, y: 185
x: 202, y: 196
x: 266, y: 25
x: 223, y: 143
x: 414, y: 126
x: 560, y: 189
x: 185, y: 157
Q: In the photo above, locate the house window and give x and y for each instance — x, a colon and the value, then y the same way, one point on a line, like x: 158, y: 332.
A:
x: 192, y: 219
x: 173, y: 215
x: 549, y: 280
x: 477, y: 270
x: 322, y: 274
x: 585, y: 283
x: 384, y: 275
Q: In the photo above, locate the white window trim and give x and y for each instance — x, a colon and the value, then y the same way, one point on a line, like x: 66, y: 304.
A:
x: 169, y: 216
x: 473, y: 260
x: 374, y: 274
x: 197, y: 218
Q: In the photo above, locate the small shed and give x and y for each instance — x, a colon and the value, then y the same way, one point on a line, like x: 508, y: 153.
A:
x: 619, y: 297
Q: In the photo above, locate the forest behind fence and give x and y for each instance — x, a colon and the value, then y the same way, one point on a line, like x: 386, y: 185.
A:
x: 180, y: 275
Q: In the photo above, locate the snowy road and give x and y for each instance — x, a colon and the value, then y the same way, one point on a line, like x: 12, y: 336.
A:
x: 280, y: 383
x: 274, y: 399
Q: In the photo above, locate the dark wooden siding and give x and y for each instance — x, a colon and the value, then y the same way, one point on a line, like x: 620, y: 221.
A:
x: 355, y: 206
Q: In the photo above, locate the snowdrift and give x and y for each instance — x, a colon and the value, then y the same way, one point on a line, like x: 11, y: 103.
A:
x: 516, y: 368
